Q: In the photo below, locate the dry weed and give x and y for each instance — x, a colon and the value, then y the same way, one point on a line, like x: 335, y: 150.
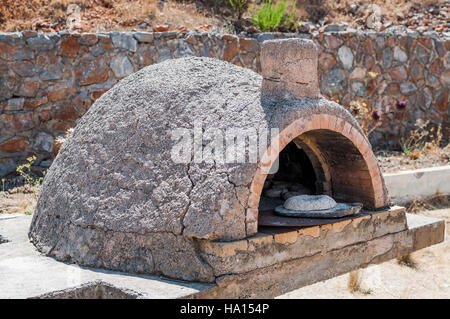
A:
x: 354, y: 283
x: 408, y: 261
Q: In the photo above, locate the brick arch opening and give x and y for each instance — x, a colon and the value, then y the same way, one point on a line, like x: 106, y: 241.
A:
x: 341, y: 156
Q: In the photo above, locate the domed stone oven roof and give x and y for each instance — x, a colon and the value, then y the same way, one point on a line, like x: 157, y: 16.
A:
x: 115, y: 198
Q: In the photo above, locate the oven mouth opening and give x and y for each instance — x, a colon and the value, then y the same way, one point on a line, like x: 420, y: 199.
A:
x: 317, y: 162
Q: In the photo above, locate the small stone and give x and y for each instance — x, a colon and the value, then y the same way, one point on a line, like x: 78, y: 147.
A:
x: 346, y: 56
x: 309, y: 202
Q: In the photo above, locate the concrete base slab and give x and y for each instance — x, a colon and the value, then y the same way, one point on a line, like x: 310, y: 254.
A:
x: 420, y: 184
x: 24, y: 273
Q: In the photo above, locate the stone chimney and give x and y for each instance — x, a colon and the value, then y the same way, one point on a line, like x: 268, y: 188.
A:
x: 289, y: 68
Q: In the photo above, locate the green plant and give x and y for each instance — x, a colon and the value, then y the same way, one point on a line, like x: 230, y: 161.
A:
x: 272, y: 16
x: 24, y: 170
x: 239, y: 6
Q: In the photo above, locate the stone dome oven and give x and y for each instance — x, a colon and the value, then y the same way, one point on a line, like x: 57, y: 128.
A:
x: 115, y: 197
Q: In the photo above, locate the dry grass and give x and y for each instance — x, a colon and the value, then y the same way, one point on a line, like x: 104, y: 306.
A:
x: 437, y: 202
x: 105, y: 15
x: 407, y: 261
x: 339, y: 10
x: 99, y: 15
x: 354, y: 283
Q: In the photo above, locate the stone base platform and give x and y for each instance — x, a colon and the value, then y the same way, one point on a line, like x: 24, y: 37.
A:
x: 271, y: 263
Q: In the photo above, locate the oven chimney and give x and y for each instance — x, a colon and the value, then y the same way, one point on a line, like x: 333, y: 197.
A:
x: 289, y: 68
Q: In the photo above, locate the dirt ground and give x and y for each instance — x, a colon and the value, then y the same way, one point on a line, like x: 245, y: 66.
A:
x: 393, y: 161
x: 390, y: 280
x: 17, y: 200
x: 183, y: 15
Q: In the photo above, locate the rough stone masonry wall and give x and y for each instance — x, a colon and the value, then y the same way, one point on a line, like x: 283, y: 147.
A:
x: 48, y: 81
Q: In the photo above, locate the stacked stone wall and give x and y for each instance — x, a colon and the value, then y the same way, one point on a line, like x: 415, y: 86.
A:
x: 48, y: 81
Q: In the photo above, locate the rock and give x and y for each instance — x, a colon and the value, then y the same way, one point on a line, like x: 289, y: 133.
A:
x: 121, y: 66
x: 326, y: 61
x: 124, y: 40
x: 163, y: 55
x: 336, y: 27
x: 15, y: 104
x: 309, y: 202
x: 387, y: 57
x: 44, y: 142
x: 46, y: 164
x: 358, y: 73
x: 146, y: 37
x: 407, y: 88
x: 90, y: 72
x: 333, y: 41
x: 70, y: 47
x: 274, y: 193
x: 358, y: 88
x: 398, y: 73
x: 24, y: 68
x: 7, y: 166
x: 346, y: 56
x: 14, y: 145
x: 400, y: 55
x: 28, y: 88
x: 333, y: 80
x: 18, y: 122
x: 42, y: 42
